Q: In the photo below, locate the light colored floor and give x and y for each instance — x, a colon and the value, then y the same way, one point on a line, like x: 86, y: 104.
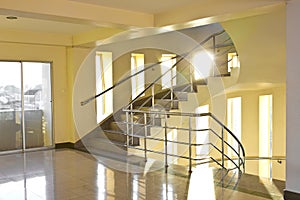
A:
x: 70, y: 174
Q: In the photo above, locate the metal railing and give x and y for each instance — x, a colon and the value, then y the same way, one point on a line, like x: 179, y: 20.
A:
x: 236, y: 159
x: 238, y: 153
x: 220, y: 133
x: 180, y: 57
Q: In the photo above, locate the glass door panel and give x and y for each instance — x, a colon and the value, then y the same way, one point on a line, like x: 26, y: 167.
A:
x: 10, y: 106
x: 37, y: 104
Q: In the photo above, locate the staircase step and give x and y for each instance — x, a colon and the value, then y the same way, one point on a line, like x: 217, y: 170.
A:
x: 115, y: 136
x: 138, y: 129
x: 200, y: 82
x: 121, y: 137
x: 172, y: 104
x: 105, y: 145
x: 121, y: 116
x: 182, y: 96
x: 184, y: 88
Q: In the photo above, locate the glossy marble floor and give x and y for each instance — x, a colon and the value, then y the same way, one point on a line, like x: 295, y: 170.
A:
x: 70, y: 174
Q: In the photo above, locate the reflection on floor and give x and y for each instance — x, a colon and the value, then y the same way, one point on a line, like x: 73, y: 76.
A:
x: 70, y: 174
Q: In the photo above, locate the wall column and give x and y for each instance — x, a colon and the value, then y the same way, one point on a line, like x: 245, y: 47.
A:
x: 293, y: 101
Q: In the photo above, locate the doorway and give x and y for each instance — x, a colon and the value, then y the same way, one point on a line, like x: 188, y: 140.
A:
x: 25, y: 105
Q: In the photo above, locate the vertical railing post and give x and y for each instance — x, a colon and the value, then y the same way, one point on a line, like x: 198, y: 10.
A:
x: 190, y: 144
x: 191, y: 77
x: 171, y: 88
x: 145, y: 136
x: 131, y: 122
x: 214, y: 53
x: 222, y: 135
x: 239, y: 157
x: 152, y: 96
x: 172, y: 94
x: 166, y: 145
x: 127, y: 129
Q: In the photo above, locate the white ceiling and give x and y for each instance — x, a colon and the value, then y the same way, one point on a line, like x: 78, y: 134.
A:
x: 37, y: 20
x: 64, y: 27
x: 30, y: 24
x: 145, y: 6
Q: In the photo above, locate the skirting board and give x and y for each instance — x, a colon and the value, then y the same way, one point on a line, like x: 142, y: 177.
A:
x: 64, y: 145
x: 288, y: 195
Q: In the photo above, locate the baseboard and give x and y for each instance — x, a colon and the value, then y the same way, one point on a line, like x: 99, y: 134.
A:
x: 288, y: 195
x: 68, y: 145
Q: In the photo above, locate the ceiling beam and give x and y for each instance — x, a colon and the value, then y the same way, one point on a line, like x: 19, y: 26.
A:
x: 213, y: 11
x: 76, y: 12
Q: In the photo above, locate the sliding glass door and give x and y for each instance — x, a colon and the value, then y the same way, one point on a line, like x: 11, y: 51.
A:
x: 25, y: 105
x: 10, y: 106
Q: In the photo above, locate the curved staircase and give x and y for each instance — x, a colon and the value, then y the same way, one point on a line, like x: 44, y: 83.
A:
x: 149, y: 118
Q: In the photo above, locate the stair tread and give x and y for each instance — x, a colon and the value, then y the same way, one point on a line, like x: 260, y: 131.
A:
x: 103, y: 140
x: 177, y: 100
x: 121, y: 132
x: 124, y: 122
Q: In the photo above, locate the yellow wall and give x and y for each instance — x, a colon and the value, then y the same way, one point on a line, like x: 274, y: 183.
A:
x: 250, y: 125
x: 75, y: 57
x: 57, y: 55
x: 260, y: 43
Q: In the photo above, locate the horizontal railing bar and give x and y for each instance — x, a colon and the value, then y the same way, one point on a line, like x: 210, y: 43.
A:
x: 265, y: 158
x: 225, y: 143
x: 190, y: 115
x: 158, y: 152
x: 186, y: 129
x: 227, y: 156
x: 229, y: 131
x: 170, y: 141
x: 203, y: 144
x: 162, y: 127
x: 216, y: 162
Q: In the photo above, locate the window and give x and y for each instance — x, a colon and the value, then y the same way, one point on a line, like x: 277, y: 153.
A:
x: 172, y: 147
x: 138, y: 81
x: 233, y: 61
x: 234, y: 121
x: 203, y: 63
x: 265, y: 135
x: 202, y: 137
x: 169, y: 79
x: 104, y: 103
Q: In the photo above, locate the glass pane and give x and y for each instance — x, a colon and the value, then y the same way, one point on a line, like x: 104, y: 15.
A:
x: 10, y: 106
x: 37, y: 104
x: 169, y: 79
x: 104, y: 80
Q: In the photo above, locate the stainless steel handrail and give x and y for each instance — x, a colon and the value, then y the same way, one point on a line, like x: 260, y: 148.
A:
x: 150, y: 67
x: 241, y: 156
x: 124, y: 80
x: 182, y: 57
